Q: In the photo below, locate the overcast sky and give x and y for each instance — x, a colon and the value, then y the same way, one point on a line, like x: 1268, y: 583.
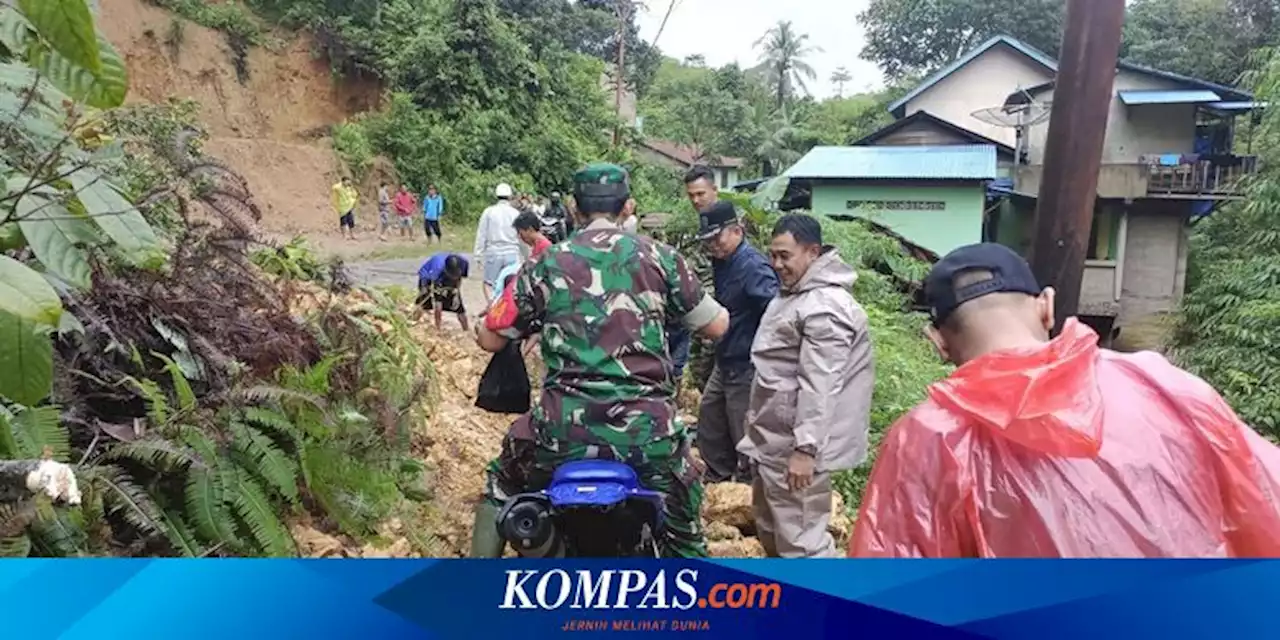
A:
x: 724, y: 31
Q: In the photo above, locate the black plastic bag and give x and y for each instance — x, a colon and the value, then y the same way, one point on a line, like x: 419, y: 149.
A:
x: 504, y: 387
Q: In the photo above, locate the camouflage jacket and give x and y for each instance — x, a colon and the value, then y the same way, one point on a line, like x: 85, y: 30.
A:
x: 602, y: 301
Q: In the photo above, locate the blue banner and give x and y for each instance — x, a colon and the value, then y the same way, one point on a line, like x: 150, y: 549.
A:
x: 741, y: 599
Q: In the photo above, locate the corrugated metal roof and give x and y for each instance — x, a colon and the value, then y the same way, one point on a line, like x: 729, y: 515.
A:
x: 1186, y: 96
x: 1025, y: 49
x: 951, y: 162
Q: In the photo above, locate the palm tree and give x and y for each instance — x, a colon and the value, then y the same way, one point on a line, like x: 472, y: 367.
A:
x: 838, y: 78
x: 783, y: 60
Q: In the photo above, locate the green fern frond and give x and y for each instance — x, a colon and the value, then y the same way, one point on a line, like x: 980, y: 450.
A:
x: 181, y: 386
x: 273, y: 420
x: 266, y: 460
x: 55, y: 533
x: 158, y: 410
x: 314, y: 379
x: 207, y: 508
x: 257, y: 514
x: 266, y: 393
x: 124, y: 498
x: 180, y: 536
x: 34, y: 429
x: 16, y: 547
x: 156, y: 453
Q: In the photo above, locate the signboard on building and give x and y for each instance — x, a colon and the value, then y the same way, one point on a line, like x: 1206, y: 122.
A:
x: 898, y: 205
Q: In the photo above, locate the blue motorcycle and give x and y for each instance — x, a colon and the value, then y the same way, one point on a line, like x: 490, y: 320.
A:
x: 591, y: 509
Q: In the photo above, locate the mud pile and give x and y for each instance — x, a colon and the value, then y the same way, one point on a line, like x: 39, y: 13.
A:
x: 731, y: 528
x: 457, y: 440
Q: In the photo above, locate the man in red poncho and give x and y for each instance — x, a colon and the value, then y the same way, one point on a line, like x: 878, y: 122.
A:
x: 1039, y: 447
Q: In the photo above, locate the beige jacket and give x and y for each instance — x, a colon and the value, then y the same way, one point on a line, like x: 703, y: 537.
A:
x: 814, y: 372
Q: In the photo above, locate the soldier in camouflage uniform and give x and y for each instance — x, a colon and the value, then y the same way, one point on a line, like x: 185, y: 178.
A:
x: 601, y: 301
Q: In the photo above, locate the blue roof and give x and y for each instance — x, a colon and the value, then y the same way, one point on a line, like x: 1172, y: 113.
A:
x: 950, y: 162
x: 1230, y: 92
x: 1031, y: 52
x: 1188, y: 96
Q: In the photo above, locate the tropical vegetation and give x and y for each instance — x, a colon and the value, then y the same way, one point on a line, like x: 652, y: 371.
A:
x: 202, y: 403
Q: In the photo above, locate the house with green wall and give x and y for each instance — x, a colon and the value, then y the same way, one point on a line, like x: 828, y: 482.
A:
x: 932, y: 196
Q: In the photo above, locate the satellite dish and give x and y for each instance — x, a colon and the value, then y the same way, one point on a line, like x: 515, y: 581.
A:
x: 1014, y: 115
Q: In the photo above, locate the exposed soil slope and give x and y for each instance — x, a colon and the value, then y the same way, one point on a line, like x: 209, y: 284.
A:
x: 272, y: 128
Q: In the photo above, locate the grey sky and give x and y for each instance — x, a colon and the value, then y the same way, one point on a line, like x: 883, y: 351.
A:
x: 724, y: 31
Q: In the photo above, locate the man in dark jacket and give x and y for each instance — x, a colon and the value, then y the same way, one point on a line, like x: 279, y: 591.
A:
x: 744, y: 284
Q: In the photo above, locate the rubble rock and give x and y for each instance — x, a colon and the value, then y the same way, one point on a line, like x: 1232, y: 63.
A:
x: 740, y: 548
x: 314, y: 544
x: 730, y: 503
x: 716, y: 530
x: 841, y: 525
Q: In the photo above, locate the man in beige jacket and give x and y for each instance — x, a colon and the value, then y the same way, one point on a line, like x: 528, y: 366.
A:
x: 811, y: 397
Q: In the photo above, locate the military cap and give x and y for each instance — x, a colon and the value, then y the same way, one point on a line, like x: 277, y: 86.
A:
x: 601, y: 180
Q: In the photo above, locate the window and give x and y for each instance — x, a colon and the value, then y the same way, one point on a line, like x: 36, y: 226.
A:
x: 1104, y: 234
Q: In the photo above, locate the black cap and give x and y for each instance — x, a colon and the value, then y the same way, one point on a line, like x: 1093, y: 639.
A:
x: 716, y: 217
x: 1009, y: 274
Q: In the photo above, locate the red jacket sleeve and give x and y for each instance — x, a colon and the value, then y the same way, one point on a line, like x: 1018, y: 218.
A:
x: 914, y: 506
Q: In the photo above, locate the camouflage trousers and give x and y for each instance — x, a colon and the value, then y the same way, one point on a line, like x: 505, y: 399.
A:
x: 665, y: 465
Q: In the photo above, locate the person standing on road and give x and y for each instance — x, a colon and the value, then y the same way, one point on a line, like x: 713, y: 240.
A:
x: 745, y: 284
x: 811, y: 397
x: 405, y: 206
x: 432, y: 212
x: 497, y: 244
x: 384, y: 210
x: 344, y: 198
x: 440, y: 286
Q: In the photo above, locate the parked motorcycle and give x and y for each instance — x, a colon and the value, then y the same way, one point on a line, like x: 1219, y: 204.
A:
x: 553, y: 228
x: 591, y: 509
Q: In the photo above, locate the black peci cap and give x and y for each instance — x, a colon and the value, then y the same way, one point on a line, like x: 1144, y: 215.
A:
x: 1010, y: 273
x: 716, y: 217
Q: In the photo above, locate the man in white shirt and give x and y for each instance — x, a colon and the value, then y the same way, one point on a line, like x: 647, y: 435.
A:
x: 497, y: 244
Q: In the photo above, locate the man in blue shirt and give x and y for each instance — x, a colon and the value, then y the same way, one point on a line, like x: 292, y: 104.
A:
x: 432, y: 211
x: 440, y: 286
x: 745, y: 283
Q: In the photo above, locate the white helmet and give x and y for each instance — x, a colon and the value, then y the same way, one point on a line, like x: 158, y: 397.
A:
x: 503, y: 190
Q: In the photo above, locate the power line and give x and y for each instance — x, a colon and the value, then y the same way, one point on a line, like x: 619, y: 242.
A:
x: 662, y: 26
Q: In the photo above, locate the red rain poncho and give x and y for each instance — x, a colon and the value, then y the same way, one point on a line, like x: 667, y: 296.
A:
x: 1069, y: 450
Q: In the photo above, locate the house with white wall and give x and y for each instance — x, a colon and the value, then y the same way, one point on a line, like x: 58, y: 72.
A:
x: 1170, y: 156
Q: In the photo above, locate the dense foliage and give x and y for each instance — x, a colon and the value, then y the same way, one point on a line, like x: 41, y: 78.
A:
x: 734, y: 112
x: 1209, y: 39
x: 201, y: 404
x: 1228, y: 327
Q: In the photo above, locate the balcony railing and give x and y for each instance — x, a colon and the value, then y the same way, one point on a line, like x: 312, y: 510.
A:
x: 1222, y: 176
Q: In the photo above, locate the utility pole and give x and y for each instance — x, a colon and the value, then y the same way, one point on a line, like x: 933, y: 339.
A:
x: 1073, y: 151
x: 620, y: 71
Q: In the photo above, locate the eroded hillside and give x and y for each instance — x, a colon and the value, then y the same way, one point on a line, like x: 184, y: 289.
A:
x: 270, y: 121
